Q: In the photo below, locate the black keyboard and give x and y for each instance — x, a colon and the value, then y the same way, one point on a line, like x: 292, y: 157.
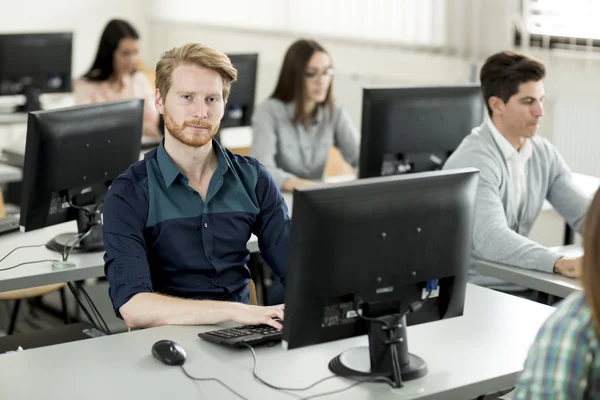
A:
x: 248, y: 334
x: 8, y: 224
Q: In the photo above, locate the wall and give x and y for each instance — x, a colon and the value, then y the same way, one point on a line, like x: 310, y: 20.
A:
x: 86, y: 18
x: 357, y: 64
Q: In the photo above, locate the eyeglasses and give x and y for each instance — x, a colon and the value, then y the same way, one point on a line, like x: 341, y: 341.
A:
x: 329, y: 72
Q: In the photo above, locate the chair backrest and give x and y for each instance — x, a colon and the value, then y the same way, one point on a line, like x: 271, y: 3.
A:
x: 252, y: 290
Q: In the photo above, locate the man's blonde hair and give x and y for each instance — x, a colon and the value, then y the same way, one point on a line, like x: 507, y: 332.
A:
x: 194, y: 54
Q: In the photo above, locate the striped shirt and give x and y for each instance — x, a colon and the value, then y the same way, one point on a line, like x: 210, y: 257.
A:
x: 563, y: 362
x: 160, y: 236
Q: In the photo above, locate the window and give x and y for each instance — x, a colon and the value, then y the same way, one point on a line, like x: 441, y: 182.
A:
x: 409, y: 22
x: 561, y: 24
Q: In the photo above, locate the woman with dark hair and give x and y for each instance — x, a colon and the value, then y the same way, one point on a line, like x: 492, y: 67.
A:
x: 294, y: 129
x: 114, y: 74
x: 564, y: 360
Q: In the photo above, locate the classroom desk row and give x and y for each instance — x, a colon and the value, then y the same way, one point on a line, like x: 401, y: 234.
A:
x: 467, y: 356
x: 554, y: 284
x: 480, y: 352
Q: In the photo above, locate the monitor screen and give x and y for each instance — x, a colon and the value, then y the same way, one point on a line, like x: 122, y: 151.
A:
x: 71, y: 157
x: 240, y: 105
x: 35, y: 63
x: 415, y: 129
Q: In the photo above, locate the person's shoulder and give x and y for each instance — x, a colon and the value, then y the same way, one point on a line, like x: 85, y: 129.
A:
x: 140, y: 78
x: 473, y: 151
x: 85, y: 84
x: 338, y: 110
x: 135, y: 176
x: 572, y: 319
x: 240, y: 162
x: 246, y: 167
x: 272, y: 106
x: 543, y: 145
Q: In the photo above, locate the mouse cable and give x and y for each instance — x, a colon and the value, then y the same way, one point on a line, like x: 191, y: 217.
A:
x: 279, y: 387
x: 213, y: 379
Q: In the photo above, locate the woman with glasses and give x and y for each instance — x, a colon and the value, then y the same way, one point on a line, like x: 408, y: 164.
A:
x: 114, y: 75
x: 294, y: 129
x: 564, y: 360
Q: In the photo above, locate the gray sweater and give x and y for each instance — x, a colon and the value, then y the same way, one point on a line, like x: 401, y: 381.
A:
x: 499, y: 235
x: 291, y: 150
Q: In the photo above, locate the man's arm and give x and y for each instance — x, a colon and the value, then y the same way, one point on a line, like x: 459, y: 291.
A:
x: 128, y: 273
x: 273, y: 225
x: 568, y: 199
x: 492, y: 238
x: 145, y: 310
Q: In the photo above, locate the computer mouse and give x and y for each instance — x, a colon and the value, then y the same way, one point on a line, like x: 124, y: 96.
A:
x: 168, y: 352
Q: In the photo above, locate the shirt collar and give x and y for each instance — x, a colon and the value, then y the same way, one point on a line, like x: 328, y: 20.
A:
x: 507, y: 149
x: 170, y: 172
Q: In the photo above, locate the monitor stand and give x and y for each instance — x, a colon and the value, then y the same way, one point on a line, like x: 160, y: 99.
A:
x: 32, y: 100
x: 387, y: 334
x: 88, y: 220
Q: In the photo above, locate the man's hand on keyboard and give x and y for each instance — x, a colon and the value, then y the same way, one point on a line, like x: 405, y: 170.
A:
x: 245, y: 314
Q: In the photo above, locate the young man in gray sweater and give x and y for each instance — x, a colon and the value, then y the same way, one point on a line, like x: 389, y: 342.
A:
x: 518, y: 171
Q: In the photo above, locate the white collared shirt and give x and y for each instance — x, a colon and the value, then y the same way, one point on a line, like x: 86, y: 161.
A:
x: 516, y: 162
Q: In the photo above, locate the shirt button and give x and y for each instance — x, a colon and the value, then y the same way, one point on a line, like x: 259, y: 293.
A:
x: 205, y: 225
x: 210, y: 258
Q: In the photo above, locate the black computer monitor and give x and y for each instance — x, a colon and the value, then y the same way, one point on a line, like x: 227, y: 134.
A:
x: 71, y: 158
x: 240, y: 105
x: 35, y: 63
x: 415, y: 129
x: 364, y: 253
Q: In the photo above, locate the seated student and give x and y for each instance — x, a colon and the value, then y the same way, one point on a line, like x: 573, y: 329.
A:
x: 518, y: 170
x: 176, y: 224
x: 294, y: 129
x: 564, y: 360
x: 114, y: 75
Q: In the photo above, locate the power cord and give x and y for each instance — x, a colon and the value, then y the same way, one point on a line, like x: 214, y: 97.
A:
x: 99, y: 322
x: 314, y: 396
x: 78, y: 238
x: 392, y: 339
x: 84, y: 308
x: 312, y: 385
x: 24, y: 263
x: 255, y: 363
x: 213, y: 379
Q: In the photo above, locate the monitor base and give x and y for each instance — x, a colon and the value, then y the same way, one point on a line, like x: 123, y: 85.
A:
x: 356, y: 363
x: 63, y: 240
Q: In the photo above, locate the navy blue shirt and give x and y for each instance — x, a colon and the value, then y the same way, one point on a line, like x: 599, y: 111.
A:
x: 160, y: 236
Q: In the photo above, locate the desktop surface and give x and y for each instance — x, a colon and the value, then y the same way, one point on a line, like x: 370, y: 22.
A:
x: 480, y: 352
x: 554, y: 284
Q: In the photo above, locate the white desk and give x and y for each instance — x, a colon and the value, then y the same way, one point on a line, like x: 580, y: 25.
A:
x: 13, y: 118
x: 553, y: 284
x: 8, y: 173
x: 480, y: 352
